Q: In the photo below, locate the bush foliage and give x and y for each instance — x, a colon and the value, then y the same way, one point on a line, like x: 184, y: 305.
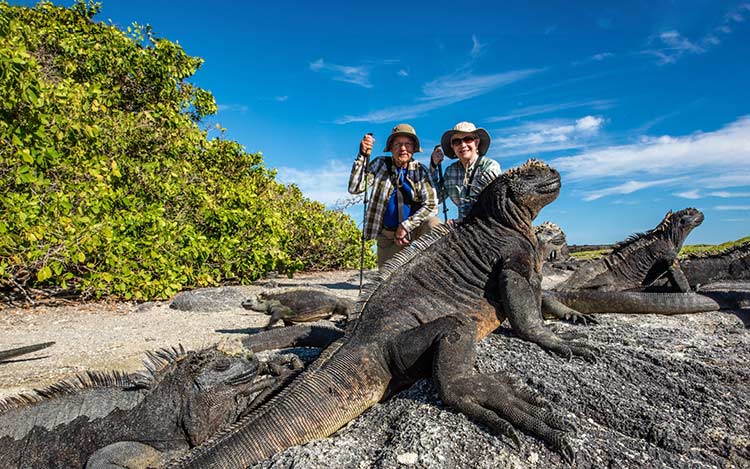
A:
x: 109, y: 185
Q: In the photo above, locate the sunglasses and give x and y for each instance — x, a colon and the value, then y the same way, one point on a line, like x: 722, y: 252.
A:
x: 465, y: 139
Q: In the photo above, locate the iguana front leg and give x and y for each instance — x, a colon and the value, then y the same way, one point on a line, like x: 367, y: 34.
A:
x: 677, y: 277
x: 495, y: 400
x: 521, y: 307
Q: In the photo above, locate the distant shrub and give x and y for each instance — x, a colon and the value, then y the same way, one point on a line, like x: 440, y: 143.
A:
x: 108, y: 185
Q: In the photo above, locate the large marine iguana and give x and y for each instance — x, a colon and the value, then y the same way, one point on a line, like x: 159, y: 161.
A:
x: 299, y: 304
x: 176, y: 403
x: 641, y: 259
x: 409, y: 325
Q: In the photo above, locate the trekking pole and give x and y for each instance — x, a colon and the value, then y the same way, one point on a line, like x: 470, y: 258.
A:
x: 364, y: 218
x: 442, y: 184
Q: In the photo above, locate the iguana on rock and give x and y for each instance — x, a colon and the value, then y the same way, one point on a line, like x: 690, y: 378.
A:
x: 552, y: 243
x: 641, y: 259
x: 176, y: 403
x: 435, y: 299
x: 299, y: 304
x: 17, y: 352
x: 732, y: 264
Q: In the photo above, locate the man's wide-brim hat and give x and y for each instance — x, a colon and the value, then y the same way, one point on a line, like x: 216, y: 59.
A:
x: 468, y: 128
x: 403, y: 129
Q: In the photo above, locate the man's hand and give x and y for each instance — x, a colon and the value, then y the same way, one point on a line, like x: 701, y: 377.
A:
x: 437, y: 155
x: 365, y: 146
x: 402, y: 236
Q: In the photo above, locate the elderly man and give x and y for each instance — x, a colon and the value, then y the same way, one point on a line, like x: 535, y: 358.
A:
x: 403, y: 201
x: 464, y: 179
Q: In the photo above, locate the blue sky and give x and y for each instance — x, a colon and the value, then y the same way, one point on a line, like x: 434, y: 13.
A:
x: 642, y: 106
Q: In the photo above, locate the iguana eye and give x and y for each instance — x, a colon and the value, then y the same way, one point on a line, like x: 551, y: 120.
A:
x: 222, y: 365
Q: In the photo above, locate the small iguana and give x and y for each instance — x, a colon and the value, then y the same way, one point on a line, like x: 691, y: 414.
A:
x: 299, y: 304
x: 641, y: 259
x: 552, y: 243
x: 434, y: 300
x: 176, y: 403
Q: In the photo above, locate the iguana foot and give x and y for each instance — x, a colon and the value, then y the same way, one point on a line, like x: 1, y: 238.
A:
x: 552, y: 307
x: 562, y: 346
x: 499, y: 402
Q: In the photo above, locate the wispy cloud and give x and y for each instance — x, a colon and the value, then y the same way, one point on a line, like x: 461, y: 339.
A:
x: 732, y: 207
x: 625, y: 188
x: 691, y: 194
x: 696, y: 194
x: 476, y: 47
x: 715, y: 160
x: 442, y: 92
x: 403, y: 73
x: 541, y: 137
x: 327, y: 184
x: 599, y: 105
x: 669, y: 46
x: 281, y: 99
x: 358, y: 75
x: 727, y: 148
x: 232, y: 107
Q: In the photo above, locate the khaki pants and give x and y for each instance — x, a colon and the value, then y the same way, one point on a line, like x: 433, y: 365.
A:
x: 387, y: 247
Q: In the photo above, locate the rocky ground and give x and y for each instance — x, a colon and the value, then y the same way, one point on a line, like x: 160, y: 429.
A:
x: 667, y: 391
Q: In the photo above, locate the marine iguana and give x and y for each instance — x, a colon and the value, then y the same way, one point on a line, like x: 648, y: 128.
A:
x: 641, y: 259
x: 732, y: 264
x: 17, y: 352
x: 552, y: 243
x: 176, y: 403
x: 299, y: 304
x: 408, y: 325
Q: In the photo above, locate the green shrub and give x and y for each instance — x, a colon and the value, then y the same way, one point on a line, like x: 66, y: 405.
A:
x: 109, y: 186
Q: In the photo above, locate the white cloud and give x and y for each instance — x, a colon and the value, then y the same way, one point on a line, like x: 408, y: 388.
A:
x: 358, y: 75
x: 729, y: 195
x: 732, y: 207
x: 692, y: 194
x: 403, y: 73
x: 327, y: 184
x: 476, y: 47
x: 540, y: 137
x: 725, y: 151
x: 671, y: 45
x: 232, y: 107
x: 442, y: 92
x: 599, y: 104
x: 625, y: 188
x: 281, y: 99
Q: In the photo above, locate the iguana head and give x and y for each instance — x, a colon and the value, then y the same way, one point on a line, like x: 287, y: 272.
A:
x: 519, y: 194
x: 216, y: 385
x: 680, y: 224
x: 549, y: 233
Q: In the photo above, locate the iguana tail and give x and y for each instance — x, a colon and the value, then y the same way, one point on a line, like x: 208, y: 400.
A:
x: 589, y: 301
x: 333, y: 391
x: 14, y: 352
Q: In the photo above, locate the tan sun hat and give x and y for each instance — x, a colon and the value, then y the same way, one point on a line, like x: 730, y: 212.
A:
x: 403, y: 129
x: 469, y: 128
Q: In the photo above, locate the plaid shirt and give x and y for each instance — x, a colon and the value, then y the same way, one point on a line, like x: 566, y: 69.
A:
x: 381, y: 189
x: 456, y: 185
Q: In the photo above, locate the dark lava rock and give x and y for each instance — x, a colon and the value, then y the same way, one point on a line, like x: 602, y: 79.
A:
x: 667, y: 391
x: 211, y: 299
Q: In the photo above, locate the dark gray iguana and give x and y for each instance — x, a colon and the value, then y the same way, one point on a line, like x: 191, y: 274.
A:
x: 552, y: 243
x: 422, y: 318
x: 299, y: 304
x: 732, y: 264
x: 176, y: 403
x: 641, y: 259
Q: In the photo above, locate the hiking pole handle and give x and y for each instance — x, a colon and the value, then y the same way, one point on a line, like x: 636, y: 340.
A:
x: 442, y: 183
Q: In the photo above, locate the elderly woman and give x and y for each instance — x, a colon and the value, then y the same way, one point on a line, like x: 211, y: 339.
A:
x: 464, y: 179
